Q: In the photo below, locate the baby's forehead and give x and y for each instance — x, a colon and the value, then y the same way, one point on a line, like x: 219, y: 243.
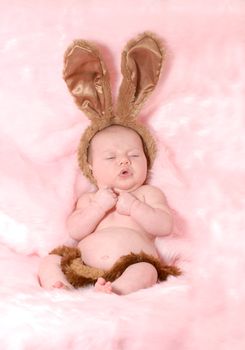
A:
x: 113, y: 133
x: 114, y: 137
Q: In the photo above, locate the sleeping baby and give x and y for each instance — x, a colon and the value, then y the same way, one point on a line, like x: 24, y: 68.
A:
x: 116, y: 225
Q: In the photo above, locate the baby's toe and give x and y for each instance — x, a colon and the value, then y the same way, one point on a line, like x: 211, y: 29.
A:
x: 58, y: 284
x: 101, y: 281
x: 108, y: 287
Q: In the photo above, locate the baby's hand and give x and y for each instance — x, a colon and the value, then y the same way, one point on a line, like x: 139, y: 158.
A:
x: 106, y: 198
x: 125, y: 202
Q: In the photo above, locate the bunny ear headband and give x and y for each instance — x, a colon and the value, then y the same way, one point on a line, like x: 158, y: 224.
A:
x: 87, y: 78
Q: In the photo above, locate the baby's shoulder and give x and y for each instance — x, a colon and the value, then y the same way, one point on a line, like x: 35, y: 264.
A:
x: 153, y: 196
x: 149, y: 193
x: 149, y: 189
x: 84, y: 200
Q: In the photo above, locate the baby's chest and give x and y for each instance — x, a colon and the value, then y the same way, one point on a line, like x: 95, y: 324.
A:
x: 115, y: 219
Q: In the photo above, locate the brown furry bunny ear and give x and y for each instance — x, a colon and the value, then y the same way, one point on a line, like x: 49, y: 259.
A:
x: 87, y: 78
x: 141, y: 65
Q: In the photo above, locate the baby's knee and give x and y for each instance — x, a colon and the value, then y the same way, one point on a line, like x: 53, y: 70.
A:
x: 144, y: 272
x: 51, y: 259
x: 50, y: 272
x: 47, y: 265
x: 148, y: 273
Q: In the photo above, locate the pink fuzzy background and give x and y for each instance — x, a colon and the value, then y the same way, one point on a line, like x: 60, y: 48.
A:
x: 197, y: 115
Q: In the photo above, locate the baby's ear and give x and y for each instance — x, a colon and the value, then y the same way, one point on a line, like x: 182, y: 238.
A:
x: 141, y: 66
x: 87, y: 78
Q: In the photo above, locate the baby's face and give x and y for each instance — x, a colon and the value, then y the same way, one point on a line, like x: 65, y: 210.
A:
x: 117, y: 159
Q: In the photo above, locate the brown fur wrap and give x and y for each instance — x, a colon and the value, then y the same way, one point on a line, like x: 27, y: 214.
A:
x: 79, y: 274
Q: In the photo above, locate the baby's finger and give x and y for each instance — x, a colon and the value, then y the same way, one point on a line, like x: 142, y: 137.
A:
x: 107, y: 189
x: 116, y: 190
x: 114, y: 194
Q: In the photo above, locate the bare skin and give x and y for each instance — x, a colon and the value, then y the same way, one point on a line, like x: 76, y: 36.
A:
x: 124, y: 215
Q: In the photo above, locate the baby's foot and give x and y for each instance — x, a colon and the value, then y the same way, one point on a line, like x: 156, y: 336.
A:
x: 60, y: 285
x: 102, y: 286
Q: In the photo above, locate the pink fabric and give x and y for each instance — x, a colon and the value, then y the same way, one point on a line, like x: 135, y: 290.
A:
x: 197, y: 115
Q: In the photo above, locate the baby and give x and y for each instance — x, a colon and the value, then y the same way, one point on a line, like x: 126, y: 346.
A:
x: 116, y: 226
x: 124, y: 215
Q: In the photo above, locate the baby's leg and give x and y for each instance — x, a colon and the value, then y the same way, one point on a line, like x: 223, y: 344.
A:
x: 135, y: 277
x: 50, y: 273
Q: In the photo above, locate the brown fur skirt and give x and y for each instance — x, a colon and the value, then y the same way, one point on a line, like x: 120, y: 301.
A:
x: 79, y: 274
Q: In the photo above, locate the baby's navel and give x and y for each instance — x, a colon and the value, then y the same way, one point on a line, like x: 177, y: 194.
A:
x: 105, y: 257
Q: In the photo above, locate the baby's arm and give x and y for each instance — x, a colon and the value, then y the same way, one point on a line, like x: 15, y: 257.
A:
x: 90, y: 210
x: 153, y: 215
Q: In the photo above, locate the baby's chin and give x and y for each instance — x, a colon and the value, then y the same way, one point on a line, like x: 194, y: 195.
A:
x: 125, y: 188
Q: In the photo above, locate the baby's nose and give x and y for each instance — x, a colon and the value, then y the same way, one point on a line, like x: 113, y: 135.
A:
x: 124, y: 161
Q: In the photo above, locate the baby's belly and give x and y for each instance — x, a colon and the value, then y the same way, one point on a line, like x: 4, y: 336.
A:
x: 104, y: 247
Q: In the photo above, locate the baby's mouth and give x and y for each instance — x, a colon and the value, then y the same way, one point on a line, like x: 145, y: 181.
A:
x: 125, y: 173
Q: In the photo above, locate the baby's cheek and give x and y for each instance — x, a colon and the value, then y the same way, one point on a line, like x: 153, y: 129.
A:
x: 101, y: 174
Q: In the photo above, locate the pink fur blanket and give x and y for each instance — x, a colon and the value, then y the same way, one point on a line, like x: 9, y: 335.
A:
x: 197, y: 116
